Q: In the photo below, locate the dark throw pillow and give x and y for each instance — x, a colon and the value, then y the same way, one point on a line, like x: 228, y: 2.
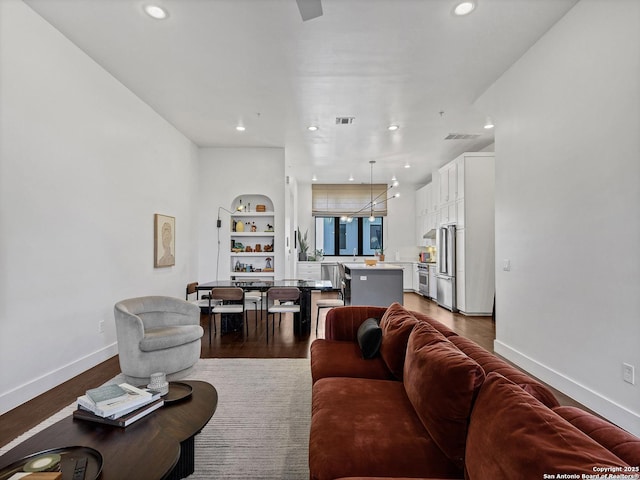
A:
x: 369, y: 338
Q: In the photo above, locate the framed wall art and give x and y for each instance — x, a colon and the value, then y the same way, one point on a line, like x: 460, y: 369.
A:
x: 164, y: 241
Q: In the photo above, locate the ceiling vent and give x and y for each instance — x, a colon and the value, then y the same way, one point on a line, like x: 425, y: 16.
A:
x: 344, y: 120
x: 462, y: 136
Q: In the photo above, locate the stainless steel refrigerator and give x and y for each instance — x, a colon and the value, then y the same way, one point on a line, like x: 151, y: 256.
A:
x: 446, y: 267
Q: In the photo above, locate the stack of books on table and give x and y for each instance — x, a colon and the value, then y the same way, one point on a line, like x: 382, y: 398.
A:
x: 118, y: 405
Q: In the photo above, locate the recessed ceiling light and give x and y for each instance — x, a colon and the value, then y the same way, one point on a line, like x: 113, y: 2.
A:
x: 314, y: 179
x: 407, y: 165
x: 488, y: 123
x: 393, y: 127
x: 312, y: 128
x: 156, y: 12
x: 393, y: 179
x: 464, y: 8
x: 240, y: 128
x: 351, y: 179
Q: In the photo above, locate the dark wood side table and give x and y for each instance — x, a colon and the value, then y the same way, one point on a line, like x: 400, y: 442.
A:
x: 159, y: 446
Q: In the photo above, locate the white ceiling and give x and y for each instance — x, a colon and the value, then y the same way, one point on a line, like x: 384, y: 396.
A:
x: 216, y: 63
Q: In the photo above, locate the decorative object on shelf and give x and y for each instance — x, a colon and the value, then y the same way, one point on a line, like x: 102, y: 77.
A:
x: 248, y: 249
x: 261, y: 208
x: 253, y: 227
x: 269, y: 228
x: 268, y: 248
x: 164, y: 241
x: 239, y: 226
x: 240, y: 207
x: 258, y: 248
x: 237, y: 247
x: 267, y: 266
x: 303, y: 245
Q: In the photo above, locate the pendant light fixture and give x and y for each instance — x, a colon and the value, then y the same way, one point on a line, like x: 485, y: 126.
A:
x: 371, y: 217
x: 372, y: 200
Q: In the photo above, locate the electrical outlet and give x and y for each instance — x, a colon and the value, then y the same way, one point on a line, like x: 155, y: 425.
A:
x: 101, y: 326
x: 628, y: 373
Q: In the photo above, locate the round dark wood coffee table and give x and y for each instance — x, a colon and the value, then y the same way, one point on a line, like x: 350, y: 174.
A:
x: 159, y: 446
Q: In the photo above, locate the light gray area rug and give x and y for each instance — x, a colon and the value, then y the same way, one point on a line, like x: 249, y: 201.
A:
x: 261, y: 427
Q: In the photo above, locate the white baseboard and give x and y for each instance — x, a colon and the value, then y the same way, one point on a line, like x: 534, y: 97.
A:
x: 19, y: 395
x: 617, y: 414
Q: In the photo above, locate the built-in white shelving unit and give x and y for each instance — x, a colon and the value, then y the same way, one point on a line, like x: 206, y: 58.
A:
x: 257, y: 232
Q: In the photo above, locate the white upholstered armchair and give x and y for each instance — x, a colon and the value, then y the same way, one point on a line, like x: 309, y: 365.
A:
x: 157, y: 334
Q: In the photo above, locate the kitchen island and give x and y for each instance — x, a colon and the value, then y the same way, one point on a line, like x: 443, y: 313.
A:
x: 379, y: 285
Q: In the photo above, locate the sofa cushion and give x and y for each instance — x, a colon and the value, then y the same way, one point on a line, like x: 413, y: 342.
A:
x: 621, y: 443
x: 491, y: 363
x: 441, y: 383
x: 341, y: 323
x: 344, y: 359
x: 362, y: 427
x: 441, y: 327
x: 369, y: 338
x: 168, y: 337
x: 396, y: 324
x: 513, y: 435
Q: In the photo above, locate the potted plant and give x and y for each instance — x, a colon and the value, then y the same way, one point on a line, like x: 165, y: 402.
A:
x: 303, y: 245
x: 318, y: 255
x: 380, y: 254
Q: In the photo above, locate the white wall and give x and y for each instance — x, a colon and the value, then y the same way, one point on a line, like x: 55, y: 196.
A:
x: 224, y: 174
x: 568, y: 207
x: 84, y: 165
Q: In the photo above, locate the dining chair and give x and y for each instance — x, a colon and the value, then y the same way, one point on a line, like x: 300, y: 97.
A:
x: 281, y: 300
x: 225, y: 300
x: 254, y: 298
x: 202, y: 303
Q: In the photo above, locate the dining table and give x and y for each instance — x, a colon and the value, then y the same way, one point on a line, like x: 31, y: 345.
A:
x: 302, y: 321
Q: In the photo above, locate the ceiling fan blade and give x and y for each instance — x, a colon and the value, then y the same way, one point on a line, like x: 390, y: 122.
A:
x: 309, y: 9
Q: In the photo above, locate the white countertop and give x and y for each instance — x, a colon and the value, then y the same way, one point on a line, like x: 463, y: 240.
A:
x: 378, y: 266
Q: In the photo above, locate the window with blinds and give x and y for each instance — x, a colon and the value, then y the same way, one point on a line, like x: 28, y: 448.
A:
x: 336, y: 200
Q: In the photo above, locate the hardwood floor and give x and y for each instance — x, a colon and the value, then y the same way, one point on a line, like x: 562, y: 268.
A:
x: 237, y: 345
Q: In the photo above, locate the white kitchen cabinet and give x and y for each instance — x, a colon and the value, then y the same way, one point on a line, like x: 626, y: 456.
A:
x: 448, y: 213
x: 309, y: 270
x: 460, y: 213
x: 475, y: 233
x: 423, y: 208
x: 460, y: 264
x: 448, y: 183
x: 416, y: 278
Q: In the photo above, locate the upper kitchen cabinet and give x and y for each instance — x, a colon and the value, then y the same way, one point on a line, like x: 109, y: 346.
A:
x: 448, y: 193
x: 425, y: 213
x: 448, y: 183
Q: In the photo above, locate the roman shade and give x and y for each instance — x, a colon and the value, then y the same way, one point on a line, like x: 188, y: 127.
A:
x: 336, y: 200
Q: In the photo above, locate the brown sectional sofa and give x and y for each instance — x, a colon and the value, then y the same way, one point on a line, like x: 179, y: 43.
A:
x: 434, y: 405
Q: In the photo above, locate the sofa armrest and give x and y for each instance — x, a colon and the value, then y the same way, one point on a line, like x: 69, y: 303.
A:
x: 342, y: 323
